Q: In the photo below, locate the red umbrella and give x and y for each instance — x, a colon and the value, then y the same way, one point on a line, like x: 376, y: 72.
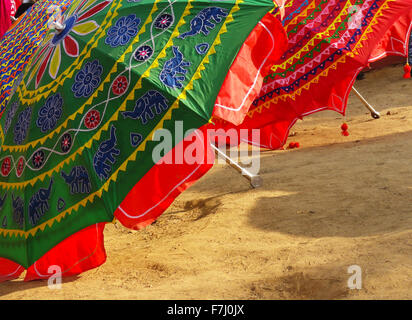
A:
x: 396, y: 42
x: 330, y: 42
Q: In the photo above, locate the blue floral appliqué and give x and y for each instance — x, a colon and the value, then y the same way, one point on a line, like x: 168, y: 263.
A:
x: 124, y: 29
x: 10, y: 115
x: 164, y: 21
x: 22, y: 126
x: 50, y: 113
x: 143, y: 53
x: 87, y: 79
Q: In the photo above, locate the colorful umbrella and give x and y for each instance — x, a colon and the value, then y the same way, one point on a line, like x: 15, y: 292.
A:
x: 78, y: 136
x: 397, y: 42
x: 21, y: 41
x: 330, y: 42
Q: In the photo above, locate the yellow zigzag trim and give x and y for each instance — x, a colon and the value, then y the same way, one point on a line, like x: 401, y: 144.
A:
x: 328, y: 32
x: 11, y: 83
x: 89, y: 101
x: 304, y: 14
x: 324, y: 73
x: 96, y: 136
x: 162, y: 54
x: 1, y: 135
x: 142, y: 146
x: 39, y: 93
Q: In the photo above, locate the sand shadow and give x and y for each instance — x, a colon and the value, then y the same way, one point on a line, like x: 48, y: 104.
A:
x: 328, y: 282
x: 18, y: 285
x: 347, y: 190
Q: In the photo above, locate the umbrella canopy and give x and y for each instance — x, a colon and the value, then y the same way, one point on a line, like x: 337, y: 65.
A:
x: 21, y: 41
x: 396, y: 41
x: 77, y: 137
x: 330, y: 42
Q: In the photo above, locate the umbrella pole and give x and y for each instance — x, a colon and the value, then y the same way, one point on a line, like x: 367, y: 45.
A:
x: 254, y: 180
x: 375, y: 114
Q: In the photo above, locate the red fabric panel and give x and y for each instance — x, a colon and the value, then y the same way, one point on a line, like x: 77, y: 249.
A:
x: 9, y: 270
x: 162, y: 184
x: 80, y: 252
x: 395, y: 41
x: 266, y: 43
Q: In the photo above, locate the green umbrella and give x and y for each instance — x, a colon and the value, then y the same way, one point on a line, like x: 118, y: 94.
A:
x: 77, y: 135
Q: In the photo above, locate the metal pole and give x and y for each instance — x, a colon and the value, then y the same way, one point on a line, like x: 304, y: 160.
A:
x: 375, y: 114
x: 255, y: 181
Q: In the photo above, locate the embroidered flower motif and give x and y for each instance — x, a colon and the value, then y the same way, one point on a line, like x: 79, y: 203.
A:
x: 120, y: 85
x: 92, y: 119
x: 50, y: 113
x: 10, y: 115
x: 143, y: 53
x: 87, y: 79
x: 20, y: 167
x: 77, y: 21
x: 164, y: 21
x: 38, y: 159
x: 66, y: 142
x: 124, y: 29
x: 22, y: 126
x: 6, y: 167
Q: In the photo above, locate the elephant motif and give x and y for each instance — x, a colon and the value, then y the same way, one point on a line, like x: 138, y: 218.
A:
x: 2, y: 200
x: 143, y: 109
x: 106, y: 152
x: 172, y: 67
x: 78, y: 179
x: 202, y: 22
x: 18, y: 210
x: 39, y: 204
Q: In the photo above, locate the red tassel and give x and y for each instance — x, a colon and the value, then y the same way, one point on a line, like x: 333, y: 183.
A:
x: 293, y: 145
x: 407, y: 68
x: 344, y: 127
x: 345, y: 133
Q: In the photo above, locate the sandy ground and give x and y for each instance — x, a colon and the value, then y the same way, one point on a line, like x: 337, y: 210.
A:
x: 334, y: 202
